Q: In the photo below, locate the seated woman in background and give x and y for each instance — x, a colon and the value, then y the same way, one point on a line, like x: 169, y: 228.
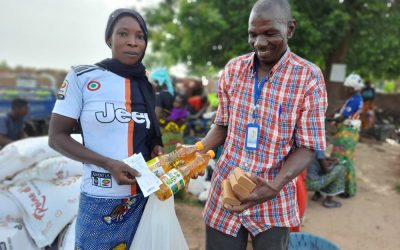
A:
x: 172, y: 133
x: 325, y: 175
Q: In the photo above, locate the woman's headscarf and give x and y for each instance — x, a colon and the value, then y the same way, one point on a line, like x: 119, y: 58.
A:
x: 354, y: 81
x: 117, y: 14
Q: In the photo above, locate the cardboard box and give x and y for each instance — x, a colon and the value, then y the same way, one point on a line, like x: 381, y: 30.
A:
x: 243, y: 180
x: 228, y: 197
x: 240, y: 190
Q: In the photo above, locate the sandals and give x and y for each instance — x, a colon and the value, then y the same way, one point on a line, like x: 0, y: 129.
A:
x: 331, y: 204
x: 317, y: 196
x: 344, y: 195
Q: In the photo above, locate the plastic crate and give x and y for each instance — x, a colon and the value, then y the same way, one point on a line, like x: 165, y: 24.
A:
x: 306, y: 241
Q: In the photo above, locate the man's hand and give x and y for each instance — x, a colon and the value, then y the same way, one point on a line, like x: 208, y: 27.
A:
x: 157, y: 150
x: 262, y: 192
x: 198, y: 174
x: 332, y: 161
x: 123, y: 174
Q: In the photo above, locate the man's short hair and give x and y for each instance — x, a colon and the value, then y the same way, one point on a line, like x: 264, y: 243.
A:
x: 262, y: 5
x: 18, y: 103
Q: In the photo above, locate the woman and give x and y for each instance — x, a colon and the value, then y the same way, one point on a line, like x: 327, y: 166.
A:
x: 175, y: 124
x: 325, y: 175
x: 114, y: 104
x: 348, y: 127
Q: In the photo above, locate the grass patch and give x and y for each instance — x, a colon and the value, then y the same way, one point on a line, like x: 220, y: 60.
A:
x: 186, y: 198
x: 397, y: 188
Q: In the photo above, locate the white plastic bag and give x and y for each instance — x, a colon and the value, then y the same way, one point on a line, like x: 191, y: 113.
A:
x: 159, y: 227
x: 48, y: 206
x: 66, y: 239
x: 14, y: 236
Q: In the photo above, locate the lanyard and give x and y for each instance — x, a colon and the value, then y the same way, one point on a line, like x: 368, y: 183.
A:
x: 258, y: 87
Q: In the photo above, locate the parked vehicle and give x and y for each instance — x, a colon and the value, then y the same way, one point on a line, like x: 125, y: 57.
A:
x: 40, y: 100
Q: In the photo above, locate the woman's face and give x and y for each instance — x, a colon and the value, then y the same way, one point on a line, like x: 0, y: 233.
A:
x: 178, y: 102
x: 127, y: 41
x: 350, y: 91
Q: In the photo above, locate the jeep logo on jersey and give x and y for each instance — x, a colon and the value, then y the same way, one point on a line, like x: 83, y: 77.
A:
x: 123, y: 116
x: 93, y: 86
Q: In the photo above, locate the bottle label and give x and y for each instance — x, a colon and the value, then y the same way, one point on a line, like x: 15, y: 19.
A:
x: 155, y: 166
x: 173, y: 158
x: 174, y: 180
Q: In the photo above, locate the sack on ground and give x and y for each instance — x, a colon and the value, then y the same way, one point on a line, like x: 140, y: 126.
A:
x: 14, y: 236
x: 9, y: 210
x: 59, y: 167
x: 159, y: 227
x: 47, y: 206
x: 22, y: 154
x: 196, y: 186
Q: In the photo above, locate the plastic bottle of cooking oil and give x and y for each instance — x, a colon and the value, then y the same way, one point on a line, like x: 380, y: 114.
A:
x: 181, y: 155
x: 175, y: 179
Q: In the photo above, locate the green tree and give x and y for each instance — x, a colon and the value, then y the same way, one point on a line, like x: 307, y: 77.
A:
x: 205, y: 34
x: 3, y: 65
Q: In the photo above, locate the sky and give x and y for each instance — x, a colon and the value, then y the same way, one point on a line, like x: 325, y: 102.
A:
x: 57, y: 34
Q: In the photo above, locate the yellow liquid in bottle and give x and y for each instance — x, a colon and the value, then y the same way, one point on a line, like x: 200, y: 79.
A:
x: 176, y: 179
x: 182, y: 155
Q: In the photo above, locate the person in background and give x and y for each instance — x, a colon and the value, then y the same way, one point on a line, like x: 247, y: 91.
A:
x: 172, y: 132
x: 114, y: 103
x: 367, y: 113
x: 197, y: 105
x: 325, y: 175
x: 348, y: 125
x: 179, y: 112
x: 270, y: 119
x: 164, y: 93
x: 12, y: 123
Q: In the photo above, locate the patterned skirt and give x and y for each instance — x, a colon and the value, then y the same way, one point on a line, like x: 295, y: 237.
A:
x: 344, y: 144
x: 331, y: 183
x: 107, y: 224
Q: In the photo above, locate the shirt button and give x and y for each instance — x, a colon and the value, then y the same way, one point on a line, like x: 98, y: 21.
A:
x: 246, y: 212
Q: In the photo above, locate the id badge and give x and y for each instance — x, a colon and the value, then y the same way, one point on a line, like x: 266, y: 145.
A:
x: 252, y: 134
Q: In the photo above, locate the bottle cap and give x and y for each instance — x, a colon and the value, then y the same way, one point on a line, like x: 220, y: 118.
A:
x: 199, y: 145
x: 211, y: 154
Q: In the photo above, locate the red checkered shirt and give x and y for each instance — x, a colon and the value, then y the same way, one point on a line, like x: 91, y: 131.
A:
x: 291, y: 114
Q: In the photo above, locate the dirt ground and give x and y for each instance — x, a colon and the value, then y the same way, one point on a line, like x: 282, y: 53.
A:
x: 370, y: 220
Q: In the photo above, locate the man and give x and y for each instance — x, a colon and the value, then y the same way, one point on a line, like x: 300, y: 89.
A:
x: 325, y: 175
x: 12, y: 124
x: 269, y: 128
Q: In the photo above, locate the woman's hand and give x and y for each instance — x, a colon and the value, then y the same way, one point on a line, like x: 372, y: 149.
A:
x: 262, y: 192
x: 122, y: 173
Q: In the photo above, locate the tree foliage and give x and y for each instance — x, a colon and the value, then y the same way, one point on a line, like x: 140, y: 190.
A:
x: 206, y: 34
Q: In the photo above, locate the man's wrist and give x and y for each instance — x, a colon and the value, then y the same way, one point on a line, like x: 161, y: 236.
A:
x: 273, y: 187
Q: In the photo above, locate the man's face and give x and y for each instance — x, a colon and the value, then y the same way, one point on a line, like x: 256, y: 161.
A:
x: 269, y: 32
x: 22, y: 111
